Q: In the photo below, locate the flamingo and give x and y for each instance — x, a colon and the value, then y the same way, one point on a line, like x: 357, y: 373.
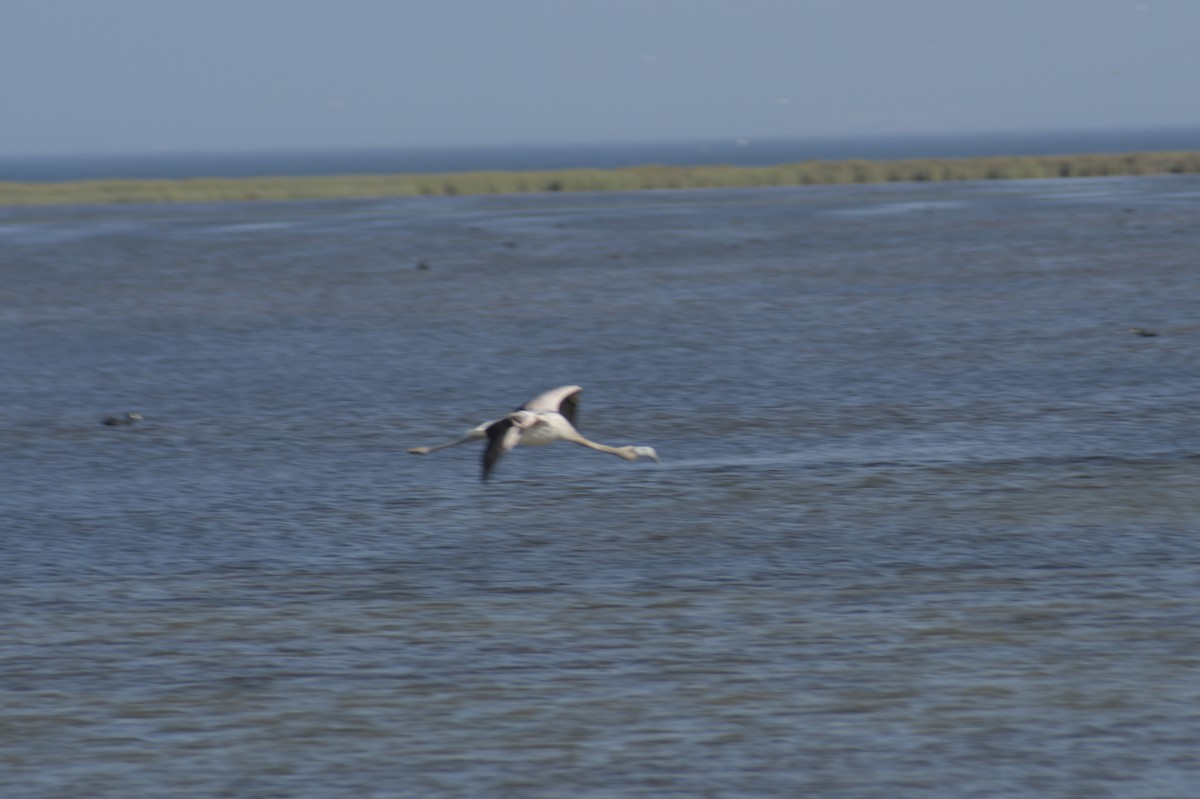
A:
x: 548, y: 417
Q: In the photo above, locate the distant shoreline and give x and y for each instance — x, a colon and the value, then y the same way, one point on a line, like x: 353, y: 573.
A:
x: 805, y: 173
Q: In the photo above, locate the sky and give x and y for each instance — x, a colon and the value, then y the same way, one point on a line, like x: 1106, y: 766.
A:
x: 143, y: 76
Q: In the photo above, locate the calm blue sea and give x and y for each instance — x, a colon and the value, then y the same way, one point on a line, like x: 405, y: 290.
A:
x: 927, y: 523
x: 757, y: 152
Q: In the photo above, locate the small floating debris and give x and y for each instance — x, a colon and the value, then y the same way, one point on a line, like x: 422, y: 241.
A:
x: 422, y: 266
x: 1141, y: 331
x: 129, y: 418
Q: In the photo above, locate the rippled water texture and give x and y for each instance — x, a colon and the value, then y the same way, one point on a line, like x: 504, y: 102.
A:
x: 926, y: 526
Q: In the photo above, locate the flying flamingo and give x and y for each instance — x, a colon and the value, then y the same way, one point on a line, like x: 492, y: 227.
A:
x: 546, y: 418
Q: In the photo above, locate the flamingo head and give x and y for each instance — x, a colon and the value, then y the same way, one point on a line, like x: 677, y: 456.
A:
x: 642, y: 452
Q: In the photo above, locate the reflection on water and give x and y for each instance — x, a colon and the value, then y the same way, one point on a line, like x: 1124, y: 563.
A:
x: 925, y: 525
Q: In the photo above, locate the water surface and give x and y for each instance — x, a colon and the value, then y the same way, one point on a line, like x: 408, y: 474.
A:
x: 926, y: 524
x: 737, y: 152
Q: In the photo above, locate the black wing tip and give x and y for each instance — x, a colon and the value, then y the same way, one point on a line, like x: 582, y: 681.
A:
x: 495, y: 446
x: 569, y: 407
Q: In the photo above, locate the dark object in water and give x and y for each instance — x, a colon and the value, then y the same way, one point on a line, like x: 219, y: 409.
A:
x: 129, y: 418
x: 423, y: 266
x: 1141, y: 331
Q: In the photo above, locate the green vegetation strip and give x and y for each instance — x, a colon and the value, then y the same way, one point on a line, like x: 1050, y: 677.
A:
x: 626, y: 179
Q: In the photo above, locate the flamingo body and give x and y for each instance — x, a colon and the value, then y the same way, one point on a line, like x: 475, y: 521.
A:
x: 546, y: 418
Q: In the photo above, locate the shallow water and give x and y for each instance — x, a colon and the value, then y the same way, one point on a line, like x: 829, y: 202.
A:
x: 926, y: 526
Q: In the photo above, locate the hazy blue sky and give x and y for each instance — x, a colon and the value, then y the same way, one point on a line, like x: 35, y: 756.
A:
x: 98, y: 76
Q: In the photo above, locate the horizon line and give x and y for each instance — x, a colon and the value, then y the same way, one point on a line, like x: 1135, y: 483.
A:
x: 709, y: 141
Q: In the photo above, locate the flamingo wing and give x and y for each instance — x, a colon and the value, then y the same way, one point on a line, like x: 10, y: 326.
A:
x: 564, y: 400
x: 502, y: 436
